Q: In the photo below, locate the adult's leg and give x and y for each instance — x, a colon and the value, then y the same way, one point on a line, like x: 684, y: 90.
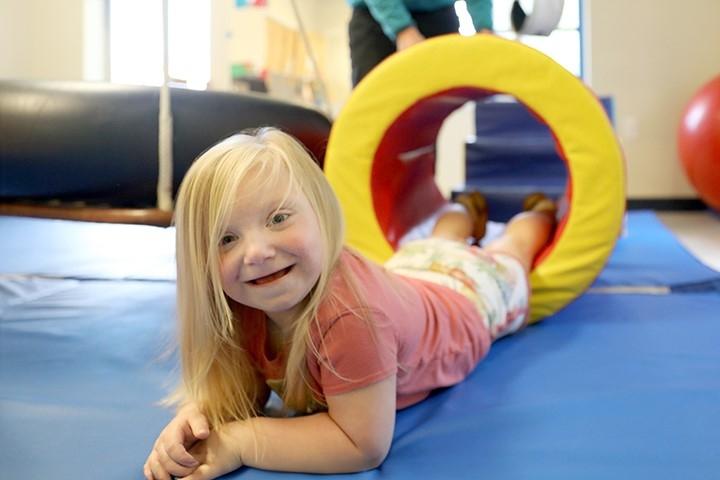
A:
x: 368, y: 44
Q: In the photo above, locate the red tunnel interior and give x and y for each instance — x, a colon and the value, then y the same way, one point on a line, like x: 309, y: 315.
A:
x: 403, y: 172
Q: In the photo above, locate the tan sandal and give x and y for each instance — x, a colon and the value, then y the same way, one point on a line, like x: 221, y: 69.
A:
x: 476, y: 206
x: 539, y: 202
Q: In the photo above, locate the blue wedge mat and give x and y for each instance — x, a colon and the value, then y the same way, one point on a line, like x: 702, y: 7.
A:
x: 512, y: 154
x: 613, y: 386
x: 62, y: 248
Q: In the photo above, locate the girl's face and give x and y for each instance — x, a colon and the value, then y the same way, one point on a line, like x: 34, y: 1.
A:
x: 271, y: 251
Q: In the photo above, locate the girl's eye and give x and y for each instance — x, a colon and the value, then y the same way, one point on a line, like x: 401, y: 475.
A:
x: 278, y: 218
x: 226, y: 239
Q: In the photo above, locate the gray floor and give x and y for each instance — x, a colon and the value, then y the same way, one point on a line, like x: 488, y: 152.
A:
x: 698, y: 231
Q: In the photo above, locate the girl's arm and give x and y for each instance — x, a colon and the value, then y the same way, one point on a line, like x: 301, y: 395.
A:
x: 170, y: 454
x: 353, y: 435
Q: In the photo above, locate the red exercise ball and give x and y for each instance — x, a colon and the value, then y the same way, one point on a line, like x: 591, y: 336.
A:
x: 699, y: 142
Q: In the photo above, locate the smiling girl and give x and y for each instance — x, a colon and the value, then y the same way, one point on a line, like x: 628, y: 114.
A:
x: 269, y: 299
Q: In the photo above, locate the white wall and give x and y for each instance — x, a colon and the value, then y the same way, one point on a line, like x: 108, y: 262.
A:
x: 41, y: 39
x: 651, y: 56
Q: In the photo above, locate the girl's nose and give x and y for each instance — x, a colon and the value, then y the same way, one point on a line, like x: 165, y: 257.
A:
x: 257, y: 249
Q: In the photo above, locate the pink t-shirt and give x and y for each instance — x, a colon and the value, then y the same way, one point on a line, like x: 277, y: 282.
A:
x: 427, y: 334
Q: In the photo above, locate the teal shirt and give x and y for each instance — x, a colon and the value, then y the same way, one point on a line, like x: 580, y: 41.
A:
x: 394, y: 15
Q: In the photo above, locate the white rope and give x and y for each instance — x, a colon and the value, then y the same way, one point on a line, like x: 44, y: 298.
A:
x: 165, y: 129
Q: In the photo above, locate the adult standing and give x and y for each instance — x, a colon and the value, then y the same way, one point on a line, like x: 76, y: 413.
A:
x: 379, y: 28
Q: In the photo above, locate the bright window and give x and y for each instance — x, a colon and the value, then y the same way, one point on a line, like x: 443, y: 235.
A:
x: 563, y: 45
x: 136, y: 42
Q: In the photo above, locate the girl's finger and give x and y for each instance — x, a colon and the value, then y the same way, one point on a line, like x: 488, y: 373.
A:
x: 199, y: 426
x: 179, y: 455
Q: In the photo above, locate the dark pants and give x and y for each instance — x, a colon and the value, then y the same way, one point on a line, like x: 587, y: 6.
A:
x: 369, y: 45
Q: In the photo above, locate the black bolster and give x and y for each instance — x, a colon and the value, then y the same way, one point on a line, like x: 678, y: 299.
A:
x: 97, y: 143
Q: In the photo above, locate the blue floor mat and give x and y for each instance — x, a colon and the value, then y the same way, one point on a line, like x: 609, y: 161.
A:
x: 647, y: 253
x: 612, y: 386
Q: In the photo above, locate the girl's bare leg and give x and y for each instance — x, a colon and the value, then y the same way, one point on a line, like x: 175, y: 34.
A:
x: 454, y: 225
x: 460, y: 225
x: 527, y: 232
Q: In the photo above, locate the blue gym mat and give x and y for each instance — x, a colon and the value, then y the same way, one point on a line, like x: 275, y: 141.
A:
x: 612, y: 386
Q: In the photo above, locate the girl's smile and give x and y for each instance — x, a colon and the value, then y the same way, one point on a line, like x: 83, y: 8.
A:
x: 271, y: 278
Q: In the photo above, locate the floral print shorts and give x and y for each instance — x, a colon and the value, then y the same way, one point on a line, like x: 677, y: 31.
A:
x: 495, y: 282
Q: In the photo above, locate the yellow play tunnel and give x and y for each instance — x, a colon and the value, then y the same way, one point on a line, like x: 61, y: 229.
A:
x: 381, y: 161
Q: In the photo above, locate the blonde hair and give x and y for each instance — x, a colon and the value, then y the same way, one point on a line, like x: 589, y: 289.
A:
x: 217, y: 372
